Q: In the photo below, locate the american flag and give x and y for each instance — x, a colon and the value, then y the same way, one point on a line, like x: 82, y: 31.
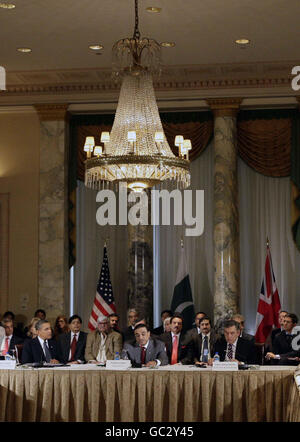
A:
x: 269, y: 303
x: 104, y: 303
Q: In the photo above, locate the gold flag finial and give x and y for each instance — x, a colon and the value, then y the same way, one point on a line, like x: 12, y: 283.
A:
x: 181, y: 242
x: 268, y: 242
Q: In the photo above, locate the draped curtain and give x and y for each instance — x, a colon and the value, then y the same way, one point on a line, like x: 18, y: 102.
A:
x: 267, y: 142
x: 264, y: 211
x: 198, y: 249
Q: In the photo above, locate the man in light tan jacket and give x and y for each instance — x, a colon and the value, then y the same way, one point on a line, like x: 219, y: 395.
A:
x: 103, y: 343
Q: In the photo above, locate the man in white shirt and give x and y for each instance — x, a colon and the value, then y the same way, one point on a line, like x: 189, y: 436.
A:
x: 9, y: 340
x: 42, y: 348
x: 145, y: 351
x: 233, y: 348
x: 204, y: 342
x: 71, y: 345
x: 179, y: 346
x: 103, y: 343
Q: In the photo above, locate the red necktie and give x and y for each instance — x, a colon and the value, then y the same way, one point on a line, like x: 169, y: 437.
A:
x: 6, y: 346
x: 143, y: 355
x: 73, y: 347
x: 174, y: 356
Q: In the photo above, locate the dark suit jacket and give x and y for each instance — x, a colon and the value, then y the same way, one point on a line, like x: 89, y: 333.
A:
x: 185, y: 348
x: 128, y: 334
x: 155, y: 350
x: 13, y: 342
x: 64, y: 345
x: 245, y: 350
x: 33, y: 352
x: 281, y: 346
x: 197, y: 344
x: 284, y: 348
x: 248, y: 337
x: 158, y: 330
x: 192, y: 333
x: 274, y: 333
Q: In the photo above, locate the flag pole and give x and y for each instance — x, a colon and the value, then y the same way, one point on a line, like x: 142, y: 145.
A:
x: 268, y: 242
x: 181, y: 242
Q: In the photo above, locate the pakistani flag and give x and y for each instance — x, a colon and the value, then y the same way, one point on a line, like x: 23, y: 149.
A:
x: 182, y: 301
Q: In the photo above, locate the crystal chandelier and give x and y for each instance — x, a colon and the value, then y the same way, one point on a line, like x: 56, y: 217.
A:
x: 136, y: 151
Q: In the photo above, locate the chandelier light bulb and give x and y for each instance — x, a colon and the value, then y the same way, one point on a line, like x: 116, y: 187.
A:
x: 136, y: 149
x: 159, y: 137
x: 105, y: 137
x: 178, y: 140
x: 97, y: 150
x: 89, y: 141
x: 131, y: 136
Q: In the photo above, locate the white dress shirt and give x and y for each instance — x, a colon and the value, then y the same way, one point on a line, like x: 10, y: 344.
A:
x: 2, y: 331
x: 41, y: 341
x: 4, y: 342
x: 101, y: 356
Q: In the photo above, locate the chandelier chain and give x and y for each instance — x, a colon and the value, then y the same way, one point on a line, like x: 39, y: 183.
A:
x: 136, y: 34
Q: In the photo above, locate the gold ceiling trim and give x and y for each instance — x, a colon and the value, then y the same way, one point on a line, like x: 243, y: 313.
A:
x: 185, y: 77
x: 51, y: 112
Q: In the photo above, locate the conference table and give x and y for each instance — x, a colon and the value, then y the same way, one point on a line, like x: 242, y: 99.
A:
x: 87, y: 393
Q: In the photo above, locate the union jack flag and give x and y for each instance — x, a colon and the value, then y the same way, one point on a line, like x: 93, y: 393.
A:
x: 104, y: 303
x: 269, y: 303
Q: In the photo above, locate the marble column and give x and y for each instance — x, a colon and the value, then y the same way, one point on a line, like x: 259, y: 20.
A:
x: 140, y: 269
x: 226, y: 219
x: 53, y: 279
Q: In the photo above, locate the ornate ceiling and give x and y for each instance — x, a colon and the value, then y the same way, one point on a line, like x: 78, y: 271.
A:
x: 204, y: 63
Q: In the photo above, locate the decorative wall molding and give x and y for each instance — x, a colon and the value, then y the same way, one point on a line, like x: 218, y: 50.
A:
x: 202, y: 80
x: 4, y: 247
x: 51, y: 112
x: 224, y: 106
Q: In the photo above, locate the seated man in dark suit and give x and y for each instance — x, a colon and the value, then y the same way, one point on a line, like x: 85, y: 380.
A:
x: 179, y: 347
x: 145, y: 350
x: 9, y: 341
x: 128, y: 332
x: 71, y: 345
x: 160, y: 330
x: 233, y: 348
x: 204, y: 342
x: 241, y: 320
x: 42, y: 348
x: 282, y: 347
x: 281, y: 316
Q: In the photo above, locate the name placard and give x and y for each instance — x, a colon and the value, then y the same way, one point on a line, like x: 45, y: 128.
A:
x: 122, y: 364
x: 7, y: 365
x: 225, y: 366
